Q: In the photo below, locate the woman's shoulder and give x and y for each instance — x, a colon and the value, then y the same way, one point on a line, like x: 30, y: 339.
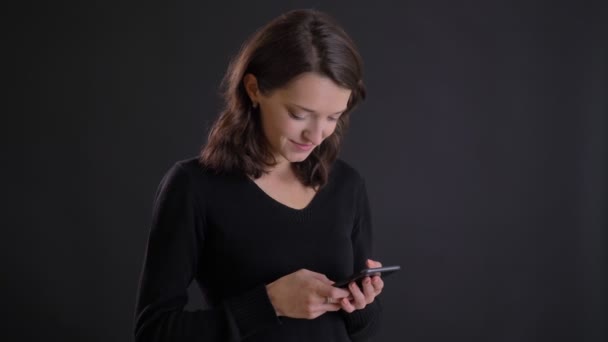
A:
x: 192, y: 165
x: 192, y: 177
x: 195, y: 171
x: 344, y: 171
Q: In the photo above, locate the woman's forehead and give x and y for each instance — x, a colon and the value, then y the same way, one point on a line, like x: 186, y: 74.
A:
x: 315, y: 92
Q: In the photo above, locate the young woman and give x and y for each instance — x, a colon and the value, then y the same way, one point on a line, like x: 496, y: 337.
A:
x: 267, y: 218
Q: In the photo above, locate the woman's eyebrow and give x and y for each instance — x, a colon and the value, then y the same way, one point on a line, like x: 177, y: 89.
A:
x: 312, y: 111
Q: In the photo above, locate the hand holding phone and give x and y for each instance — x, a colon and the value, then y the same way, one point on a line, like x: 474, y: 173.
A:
x: 367, y: 272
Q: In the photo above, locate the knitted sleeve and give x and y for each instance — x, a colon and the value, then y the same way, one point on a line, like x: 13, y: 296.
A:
x: 362, y: 324
x: 171, y: 258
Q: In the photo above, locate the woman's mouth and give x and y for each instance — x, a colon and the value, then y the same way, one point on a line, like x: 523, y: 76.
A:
x: 302, y: 147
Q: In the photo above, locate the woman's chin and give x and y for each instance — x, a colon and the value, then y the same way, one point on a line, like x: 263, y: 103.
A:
x: 296, y: 157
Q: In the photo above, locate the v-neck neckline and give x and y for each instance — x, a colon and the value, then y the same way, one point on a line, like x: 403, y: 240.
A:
x: 281, y: 204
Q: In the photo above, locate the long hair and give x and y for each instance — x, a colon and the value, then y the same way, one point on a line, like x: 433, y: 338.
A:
x: 294, y: 43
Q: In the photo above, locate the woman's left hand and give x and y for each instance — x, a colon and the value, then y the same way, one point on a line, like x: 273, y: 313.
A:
x: 372, y: 286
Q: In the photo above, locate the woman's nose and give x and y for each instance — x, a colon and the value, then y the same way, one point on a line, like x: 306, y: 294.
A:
x: 315, y: 133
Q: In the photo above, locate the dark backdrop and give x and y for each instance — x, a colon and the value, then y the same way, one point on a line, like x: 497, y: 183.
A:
x: 483, y: 142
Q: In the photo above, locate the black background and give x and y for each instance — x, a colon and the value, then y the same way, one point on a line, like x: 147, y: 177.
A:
x: 483, y: 143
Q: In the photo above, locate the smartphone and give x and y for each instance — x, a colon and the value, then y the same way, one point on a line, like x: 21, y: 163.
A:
x: 367, y: 272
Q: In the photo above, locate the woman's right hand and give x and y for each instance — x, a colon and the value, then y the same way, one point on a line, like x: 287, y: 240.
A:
x: 305, y: 294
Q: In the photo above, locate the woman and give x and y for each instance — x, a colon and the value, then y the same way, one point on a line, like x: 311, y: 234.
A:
x: 267, y: 217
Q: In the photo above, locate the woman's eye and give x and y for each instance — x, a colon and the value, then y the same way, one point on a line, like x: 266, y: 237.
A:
x: 295, y: 116
x: 332, y: 119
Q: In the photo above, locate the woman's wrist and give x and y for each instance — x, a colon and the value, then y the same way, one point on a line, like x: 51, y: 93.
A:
x: 270, y: 290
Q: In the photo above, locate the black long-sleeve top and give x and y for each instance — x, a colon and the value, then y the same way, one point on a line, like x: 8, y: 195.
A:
x: 226, y: 233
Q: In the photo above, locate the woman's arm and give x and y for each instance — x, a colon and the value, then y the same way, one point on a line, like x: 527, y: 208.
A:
x: 171, y: 259
x: 362, y: 324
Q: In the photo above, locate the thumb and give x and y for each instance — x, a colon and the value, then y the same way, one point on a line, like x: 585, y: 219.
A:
x: 372, y: 263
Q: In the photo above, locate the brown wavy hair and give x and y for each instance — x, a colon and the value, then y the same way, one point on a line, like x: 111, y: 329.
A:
x: 294, y: 43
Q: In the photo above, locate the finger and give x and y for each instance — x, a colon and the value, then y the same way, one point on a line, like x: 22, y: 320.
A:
x: 330, y: 307
x: 368, y: 290
x: 332, y: 292
x: 347, y: 305
x: 358, y: 296
x: 320, y: 309
x: 333, y: 297
x: 378, y: 284
x: 331, y: 301
x: 338, y: 293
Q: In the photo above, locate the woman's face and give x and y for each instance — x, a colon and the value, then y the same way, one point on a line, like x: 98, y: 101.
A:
x: 298, y: 117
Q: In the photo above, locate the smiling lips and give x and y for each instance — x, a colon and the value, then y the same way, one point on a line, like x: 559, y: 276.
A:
x: 303, y: 147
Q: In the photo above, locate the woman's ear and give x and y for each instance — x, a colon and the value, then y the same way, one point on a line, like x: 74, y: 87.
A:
x: 250, y: 82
